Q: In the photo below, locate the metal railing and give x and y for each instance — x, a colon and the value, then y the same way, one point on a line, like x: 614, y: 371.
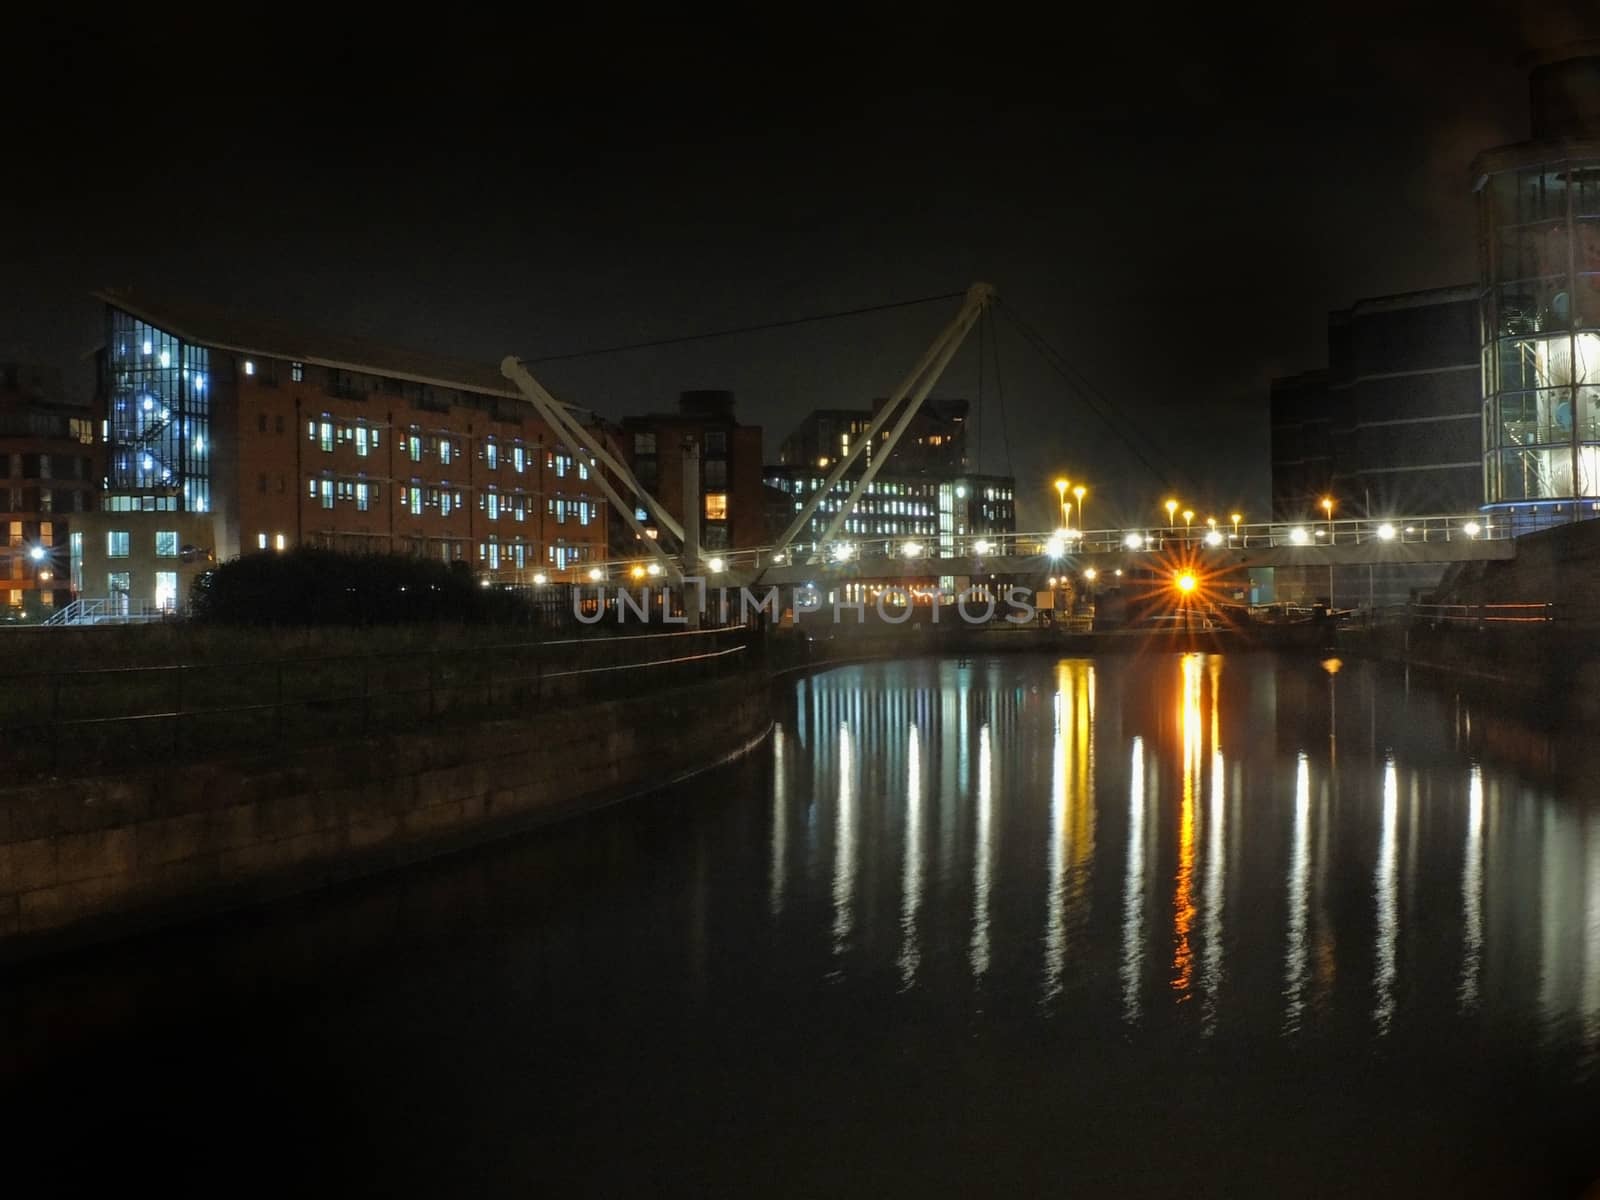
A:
x: 125, y: 716
x: 1483, y: 614
x: 922, y: 553
x: 113, y: 610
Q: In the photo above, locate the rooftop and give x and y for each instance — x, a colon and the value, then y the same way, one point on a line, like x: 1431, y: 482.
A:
x: 225, y: 330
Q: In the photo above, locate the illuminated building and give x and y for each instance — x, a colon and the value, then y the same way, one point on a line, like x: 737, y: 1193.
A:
x: 48, y: 470
x: 1539, y: 223
x: 936, y: 439
x: 286, y: 438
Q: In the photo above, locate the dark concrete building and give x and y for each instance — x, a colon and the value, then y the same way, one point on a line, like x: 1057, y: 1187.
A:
x: 1391, y: 427
x: 731, y: 501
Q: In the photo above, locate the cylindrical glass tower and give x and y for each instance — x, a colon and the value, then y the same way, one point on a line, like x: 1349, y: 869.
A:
x: 1539, y: 211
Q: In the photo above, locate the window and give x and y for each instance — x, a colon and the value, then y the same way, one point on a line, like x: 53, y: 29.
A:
x: 493, y: 506
x: 414, y: 445
x: 716, y: 506
x: 249, y: 367
x: 362, y: 501
x: 491, y: 455
x: 119, y: 583
x: 716, y: 472
x: 117, y: 543
x: 414, y: 500
x: 717, y: 442
x: 644, y: 443
x: 326, y: 490
x: 277, y: 423
x: 167, y: 591
x: 297, y: 372
x: 445, y: 449
x: 261, y: 422
x: 444, y: 503
x: 279, y: 542
x: 261, y: 541
x: 518, y: 459
x: 166, y: 543
x: 326, y: 440
x: 361, y: 441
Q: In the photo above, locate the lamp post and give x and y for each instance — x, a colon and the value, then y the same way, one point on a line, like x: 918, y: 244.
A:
x: 1327, y: 508
x: 1061, y: 495
x: 1171, y: 507
x: 1079, y: 493
x: 1236, y: 518
x: 1188, y: 520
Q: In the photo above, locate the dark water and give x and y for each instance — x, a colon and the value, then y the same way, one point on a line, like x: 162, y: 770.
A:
x: 1158, y: 926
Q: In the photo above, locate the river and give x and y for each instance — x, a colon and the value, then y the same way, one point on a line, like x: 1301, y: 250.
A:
x: 1153, y: 925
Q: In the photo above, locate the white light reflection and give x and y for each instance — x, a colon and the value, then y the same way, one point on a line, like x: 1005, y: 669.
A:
x: 844, y: 852
x: 1133, y: 888
x: 1214, y: 883
x: 983, y: 863
x: 1385, y: 886
x: 780, y: 828
x: 1294, y: 974
x: 911, y: 881
x: 1071, y: 849
x: 1472, y: 893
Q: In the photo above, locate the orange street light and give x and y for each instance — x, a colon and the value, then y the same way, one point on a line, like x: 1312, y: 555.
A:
x: 1080, y: 492
x: 1061, y: 495
x: 1172, y: 507
x: 1185, y: 582
x: 1236, y: 518
x: 1188, y: 516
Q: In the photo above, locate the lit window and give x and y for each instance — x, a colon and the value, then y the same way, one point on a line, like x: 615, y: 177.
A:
x: 249, y: 367
x: 444, y: 503
x: 491, y: 455
x: 361, y: 441
x: 444, y: 450
x: 261, y: 541
x: 716, y: 506
x: 362, y: 497
x: 414, y: 500
x: 297, y: 372
x: 327, y: 493
x: 517, y: 459
x: 279, y: 542
x: 117, y: 543
x: 414, y: 447
x: 493, y: 507
x: 166, y: 543
x: 327, y: 435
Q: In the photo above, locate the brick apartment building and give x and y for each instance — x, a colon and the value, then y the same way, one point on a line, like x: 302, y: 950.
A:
x: 288, y: 438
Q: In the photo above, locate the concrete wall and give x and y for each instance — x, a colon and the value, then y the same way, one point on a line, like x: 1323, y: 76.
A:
x: 93, y: 857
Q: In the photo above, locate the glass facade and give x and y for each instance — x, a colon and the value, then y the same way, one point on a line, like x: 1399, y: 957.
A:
x: 158, y: 416
x: 1541, y: 331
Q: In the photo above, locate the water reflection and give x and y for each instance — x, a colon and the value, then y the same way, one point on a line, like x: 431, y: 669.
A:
x: 983, y: 857
x: 911, y: 881
x: 1133, y: 887
x: 844, y: 853
x: 1072, y: 816
x: 1299, y: 896
x: 927, y: 800
x: 1385, y: 888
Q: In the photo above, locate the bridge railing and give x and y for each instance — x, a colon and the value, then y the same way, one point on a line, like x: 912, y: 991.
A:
x: 922, y: 555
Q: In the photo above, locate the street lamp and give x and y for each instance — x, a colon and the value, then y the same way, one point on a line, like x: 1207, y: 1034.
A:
x: 1236, y: 518
x: 1061, y: 494
x: 1188, y: 517
x: 1327, y: 508
x: 1171, y: 507
x: 1080, y: 492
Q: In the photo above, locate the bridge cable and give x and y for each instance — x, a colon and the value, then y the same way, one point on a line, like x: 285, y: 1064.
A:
x: 1125, y: 431
x: 1000, y: 394
x: 837, y: 315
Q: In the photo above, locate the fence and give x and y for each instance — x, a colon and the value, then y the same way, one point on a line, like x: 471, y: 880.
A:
x: 77, y: 719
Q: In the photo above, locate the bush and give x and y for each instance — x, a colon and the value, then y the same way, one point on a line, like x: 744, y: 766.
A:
x: 321, y: 587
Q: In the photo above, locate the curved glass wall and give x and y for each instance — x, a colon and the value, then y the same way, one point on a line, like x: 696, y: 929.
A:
x: 1541, y: 344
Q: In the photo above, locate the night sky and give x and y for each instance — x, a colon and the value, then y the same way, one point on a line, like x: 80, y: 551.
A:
x: 1174, y: 203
